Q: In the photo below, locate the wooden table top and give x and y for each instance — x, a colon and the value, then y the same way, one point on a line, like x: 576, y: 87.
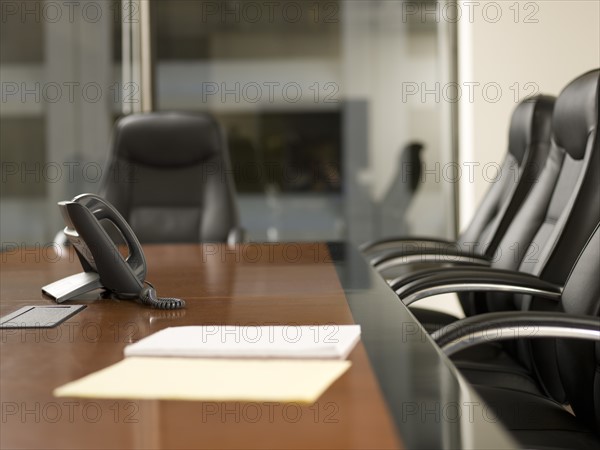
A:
x: 266, y: 284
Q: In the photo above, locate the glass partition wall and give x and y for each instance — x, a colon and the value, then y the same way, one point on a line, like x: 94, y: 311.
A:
x: 331, y: 109
x: 60, y: 71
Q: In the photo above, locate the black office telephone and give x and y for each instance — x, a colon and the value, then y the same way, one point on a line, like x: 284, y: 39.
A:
x: 109, y: 252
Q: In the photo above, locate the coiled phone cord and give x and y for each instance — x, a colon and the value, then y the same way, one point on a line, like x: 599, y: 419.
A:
x: 149, y: 297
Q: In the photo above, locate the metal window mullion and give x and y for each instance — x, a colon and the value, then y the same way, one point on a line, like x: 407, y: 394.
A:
x: 137, y: 56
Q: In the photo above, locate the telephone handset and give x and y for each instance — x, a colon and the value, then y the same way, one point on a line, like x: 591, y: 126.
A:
x: 95, y: 228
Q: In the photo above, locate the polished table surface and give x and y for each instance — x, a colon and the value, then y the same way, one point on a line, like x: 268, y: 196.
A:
x: 400, y: 392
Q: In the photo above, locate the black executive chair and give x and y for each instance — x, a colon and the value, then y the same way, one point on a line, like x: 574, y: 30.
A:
x: 559, y: 213
x: 524, y: 381
x: 572, y: 218
x: 564, y: 342
x: 169, y: 175
x: 529, y: 141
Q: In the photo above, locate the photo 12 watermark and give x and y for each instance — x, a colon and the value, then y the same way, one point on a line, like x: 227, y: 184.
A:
x: 466, y: 91
x: 466, y: 251
x: 53, y: 92
x: 71, y: 331
x: 521, y: 12
x: 269, y: 92
x: 269, y: 12
x: 57, y: 412
x: 466, y: 171
x: 448, y: 412
x: 269, y: 412
x: 253, y: 252
x: 269, y: 334
x: 471, y: 412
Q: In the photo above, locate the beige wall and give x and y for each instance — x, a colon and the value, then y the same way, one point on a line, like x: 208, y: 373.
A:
x: 546, y: 45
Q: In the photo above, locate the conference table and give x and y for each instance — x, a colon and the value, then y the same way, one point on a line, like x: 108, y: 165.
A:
x: 400, y: 392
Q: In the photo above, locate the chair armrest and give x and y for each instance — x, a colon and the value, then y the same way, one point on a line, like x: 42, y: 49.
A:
x: 421, y: 273
x: 237, y: 235
x: 504, y: 326
x: 393, y: 242
x: 438, y: 254
x: 483, y: 279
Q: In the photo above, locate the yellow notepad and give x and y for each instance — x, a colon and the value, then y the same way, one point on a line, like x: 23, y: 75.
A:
x: 301, y: 381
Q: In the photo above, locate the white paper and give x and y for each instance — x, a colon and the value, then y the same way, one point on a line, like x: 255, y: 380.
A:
x: 227, y: 341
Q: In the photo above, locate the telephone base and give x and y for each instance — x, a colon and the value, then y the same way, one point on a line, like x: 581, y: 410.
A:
x: 73, y: 286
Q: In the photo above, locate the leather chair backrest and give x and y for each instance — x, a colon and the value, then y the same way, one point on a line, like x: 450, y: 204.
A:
x: 169, y: 175
x: 529, y: 141
x: 559, y: 195
x: 578, y: 108
x: 528, y: 145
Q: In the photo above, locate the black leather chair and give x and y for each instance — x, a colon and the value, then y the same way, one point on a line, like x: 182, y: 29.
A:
x: 564, y: 343
x: 530, y: 373
x: 529, y: 142
x: 169, y: 175
x: 561, y: 203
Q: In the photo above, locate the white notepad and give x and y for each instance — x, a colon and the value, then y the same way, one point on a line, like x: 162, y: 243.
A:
x: 226, y: 341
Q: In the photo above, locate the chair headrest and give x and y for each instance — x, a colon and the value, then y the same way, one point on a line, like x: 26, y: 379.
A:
x: 530, y: 124
x: 167, y: 139
x: 576, y: 113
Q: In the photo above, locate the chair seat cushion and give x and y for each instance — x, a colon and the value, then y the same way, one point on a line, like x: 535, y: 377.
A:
x: 509, y: 375
x: 486, y: 364
x: 536, y: 422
